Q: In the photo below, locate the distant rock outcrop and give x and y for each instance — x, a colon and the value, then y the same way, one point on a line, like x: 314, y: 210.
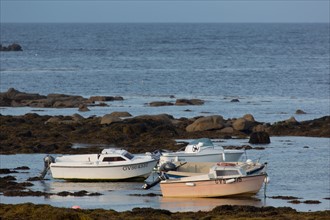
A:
x: 189, y: 102
x: 12, y: 47
x: 15, y: 98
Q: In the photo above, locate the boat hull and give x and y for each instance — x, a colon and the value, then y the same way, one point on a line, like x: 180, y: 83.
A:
x: 248, y: 185
x: 101, y: 172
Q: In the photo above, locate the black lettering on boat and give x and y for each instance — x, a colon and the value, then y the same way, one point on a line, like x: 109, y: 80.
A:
x: 135, y: 166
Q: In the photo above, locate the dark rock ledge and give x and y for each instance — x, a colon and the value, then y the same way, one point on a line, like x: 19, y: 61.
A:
x: 11, y: 47
x: 15, y: 98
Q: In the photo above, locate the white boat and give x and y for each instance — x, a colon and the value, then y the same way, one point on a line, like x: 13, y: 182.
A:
x: 201, y: 150
x: 223, y: 179
x: 198, y: 168
x: 110, y: 165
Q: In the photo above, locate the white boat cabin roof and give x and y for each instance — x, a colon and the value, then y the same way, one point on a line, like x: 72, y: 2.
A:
x: 199, y: 145
x: 111, y: 153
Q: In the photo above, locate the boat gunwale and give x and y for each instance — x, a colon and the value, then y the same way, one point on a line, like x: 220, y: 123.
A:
x: 99, y: 165
x: 179, y: 180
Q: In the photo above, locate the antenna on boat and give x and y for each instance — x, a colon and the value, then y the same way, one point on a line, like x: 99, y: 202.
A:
x: 47, y: 161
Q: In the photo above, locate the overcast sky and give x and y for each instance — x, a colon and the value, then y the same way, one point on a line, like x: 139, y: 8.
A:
x: 164, y: 11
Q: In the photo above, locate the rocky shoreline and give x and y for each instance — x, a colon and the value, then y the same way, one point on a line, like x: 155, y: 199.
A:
x: 32, y: 211
x: 33, y: 133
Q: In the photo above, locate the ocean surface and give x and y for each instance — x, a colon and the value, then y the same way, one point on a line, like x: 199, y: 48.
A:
x: 272, y: 69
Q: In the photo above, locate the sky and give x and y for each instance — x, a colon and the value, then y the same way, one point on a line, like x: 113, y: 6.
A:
x: 164, y: 11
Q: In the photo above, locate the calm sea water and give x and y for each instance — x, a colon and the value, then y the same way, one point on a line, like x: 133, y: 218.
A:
x: 274, y: 69
x: 297, y: 166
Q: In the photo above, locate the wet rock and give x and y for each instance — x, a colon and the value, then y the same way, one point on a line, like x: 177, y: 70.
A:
x: 109, y: 119
x: 120, y: 114
x: 189, y: 102
x: 6, y: 171
x: 54, y: 119
x: 234, y: 100
x: 165, y: 118
x: 259, y: 138
x: 77, y: 117
x: 22, y: 168
x: 158, y: 104
x: 241, y: 124
x: 147, y: 194
x: 105, y: 98
x: 227, y: 130
x: 285, y: 197
x: 291, y: 120
x: 259, y: 128
x: 294, y: 201
x: 215, y: 122
x: 300, y: 112
x: 249, y: 117
x: 36, y: 178
x: 14, y: 193
x: 78, y: 194
x: 11, y: 47
x: 17, y: 98
x: 311, y: 202
x: 83, y: 108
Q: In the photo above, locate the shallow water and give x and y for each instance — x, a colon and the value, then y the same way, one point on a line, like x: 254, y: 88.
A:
x: 291, y: 168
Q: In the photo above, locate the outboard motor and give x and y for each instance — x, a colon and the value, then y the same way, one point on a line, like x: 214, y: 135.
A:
x: 168, y: 166
x: 161, y: 176
x: 47, y: 161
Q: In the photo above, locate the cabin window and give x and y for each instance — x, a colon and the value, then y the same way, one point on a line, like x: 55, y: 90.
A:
x: 113, y: 159
x: 227, y: 172
x: 129, y: 156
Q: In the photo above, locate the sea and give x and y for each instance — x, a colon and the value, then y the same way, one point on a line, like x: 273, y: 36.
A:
x: 272, y: 69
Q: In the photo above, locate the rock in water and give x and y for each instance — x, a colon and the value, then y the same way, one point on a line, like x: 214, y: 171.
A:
x: 261, y: 137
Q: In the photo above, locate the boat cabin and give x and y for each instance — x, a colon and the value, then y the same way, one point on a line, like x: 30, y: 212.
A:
x: 226, y: 170
x: 199, y: 145
x: 114, y: 155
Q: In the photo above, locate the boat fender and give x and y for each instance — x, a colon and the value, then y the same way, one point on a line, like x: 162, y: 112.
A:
x: 190, y: 184
x: 266, y: 180
x: 230, y: 181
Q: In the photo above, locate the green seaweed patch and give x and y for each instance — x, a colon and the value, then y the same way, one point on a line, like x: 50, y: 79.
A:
x: 7, y: 171
x: 78, y: 194
x: 285, y: 197
x: 146, y: 194
x: 295, y: 201
x: 22, y: 168
x: 311, y: 202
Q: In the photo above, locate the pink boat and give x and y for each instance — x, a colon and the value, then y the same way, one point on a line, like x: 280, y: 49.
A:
x: 224, y: 179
